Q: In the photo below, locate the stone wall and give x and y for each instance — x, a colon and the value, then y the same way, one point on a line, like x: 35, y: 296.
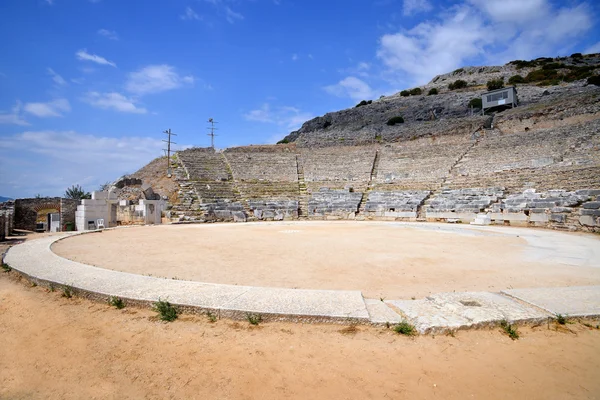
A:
x: 68, y: 207
x: 29, y: 211
x: 274, y: 210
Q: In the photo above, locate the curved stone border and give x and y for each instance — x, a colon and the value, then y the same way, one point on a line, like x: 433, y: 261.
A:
x: 436, y: 313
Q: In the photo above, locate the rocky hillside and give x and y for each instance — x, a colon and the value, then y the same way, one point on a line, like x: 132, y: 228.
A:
x: 444, y: 106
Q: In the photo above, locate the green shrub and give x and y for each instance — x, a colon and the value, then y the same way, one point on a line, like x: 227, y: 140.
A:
x: 513, y: 80
x: 457, y: 84
x: 553, y: 66
x: 540, y: 75
x: 254, y: 319
x: 561, y: 319
x: 364, y: 103
x: 519, y: 64
x: 458, y: 71
x: 166, y: 311
x: 405, y: 93
x: 67, y: 292
x: 6, y: 267
x: 283, y: 141
x: 432, y: 92
x: 577, y: 73
x: 476, y: 103
x: 594, y: 80
x: 510, y: 330
x: 495, y: 84
x: 405, y: 328
x: 116, y: 302
x: 395, y: 120
x: 576, y: 55
x: 415, y: 91
x: 327, y: 124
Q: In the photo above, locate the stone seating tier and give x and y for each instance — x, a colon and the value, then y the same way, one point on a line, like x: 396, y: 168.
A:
x: 328, y: 202
x: 211, y: 192
x: 269, y: 190
x: 350, y: 164
x: 272, y: 167
x: 204, y: 164
x: 274, y: 210
x: 395, y: 204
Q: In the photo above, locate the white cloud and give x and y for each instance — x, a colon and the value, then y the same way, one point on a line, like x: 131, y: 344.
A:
x: 492, y: 32
x: 54, y: 108
x: 351, y: 87
x: 50, y: 2
x: 59, y: 80
x: 112, y: 35
x: 155, y: 79
x: 48, y: 162
x: 83, y: 55
x: 411, y: 7
x: 294, y: 57
x: 595, y: 48
x: 113, y: 101
x: 433, y: 48
x: 190, y: 14
x: 232, y: 16
x: 14, y: 116
x: 290, y: 118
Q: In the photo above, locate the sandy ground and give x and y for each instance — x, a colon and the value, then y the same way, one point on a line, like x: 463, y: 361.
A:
x: 381, y: 260
x: 58, y: 348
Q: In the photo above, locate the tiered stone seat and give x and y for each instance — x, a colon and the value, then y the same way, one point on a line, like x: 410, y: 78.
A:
x: 399, y: 204
x: 461, y: 204
x: 267, y: 177
x: 552, y: 206
x: 204, y: 164
x: 419, y: 164
x: 565, y: 158
x: 338, y: 167
x: 328, y: 203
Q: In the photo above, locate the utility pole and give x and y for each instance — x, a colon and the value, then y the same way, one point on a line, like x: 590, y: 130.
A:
x: 212, y: 132
x: 168, y: 149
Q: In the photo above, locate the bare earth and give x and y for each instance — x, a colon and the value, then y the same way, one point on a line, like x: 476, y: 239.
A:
x: 58, y: 348
x: 381, y: 260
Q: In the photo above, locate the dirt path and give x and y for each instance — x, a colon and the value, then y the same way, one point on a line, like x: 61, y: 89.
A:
x: 59, y: 348
x: 381, y: 260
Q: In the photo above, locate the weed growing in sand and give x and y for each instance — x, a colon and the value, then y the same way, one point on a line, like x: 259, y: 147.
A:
x: 405, y: 328
x: 211, y: 317
x: 254, y: 319
x: 6, y: 267
x: 67, y: 292
x: 52, y: 288
x: 166, y: 311
x: 33, y: 284
x: 561, y: 319
x: 116, y: 302
x: 588, y: 325
x: 510, y: 330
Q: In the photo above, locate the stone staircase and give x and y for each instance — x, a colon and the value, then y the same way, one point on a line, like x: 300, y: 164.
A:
x: 236, y: 189
x: 365, y: 195
x: 304, y: 196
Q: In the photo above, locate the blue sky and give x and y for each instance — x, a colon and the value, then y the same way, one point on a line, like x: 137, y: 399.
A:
x: 88, y: 86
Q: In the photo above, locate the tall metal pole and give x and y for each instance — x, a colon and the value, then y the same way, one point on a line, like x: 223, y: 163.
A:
x: 169, y: 133
x: 212, y: 132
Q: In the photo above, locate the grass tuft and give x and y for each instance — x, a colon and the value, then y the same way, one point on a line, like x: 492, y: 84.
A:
x: 561, y: 319
x: 405, y: 328
x: 116, y: 302
x: 6, y: 267
x: 254, y: 319
x: 212, y: 318
x: 509, y: 329
x: 67, y: 292
x: 166, y: 311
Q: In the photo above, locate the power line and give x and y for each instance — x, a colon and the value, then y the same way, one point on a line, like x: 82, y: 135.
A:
x: 212, y: 132
x: 168, y: 149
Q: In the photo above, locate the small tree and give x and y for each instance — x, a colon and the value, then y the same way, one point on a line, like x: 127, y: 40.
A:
x: 415, y: 91
x: 476, y: 102
x: 495, y: 84
x: 432, y: 92
x: 594, y: 80
x: 105, y: 186
x: 516, y: 79
x: 76, y: 192
x: 458, y: 84
x: 405, y: 93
